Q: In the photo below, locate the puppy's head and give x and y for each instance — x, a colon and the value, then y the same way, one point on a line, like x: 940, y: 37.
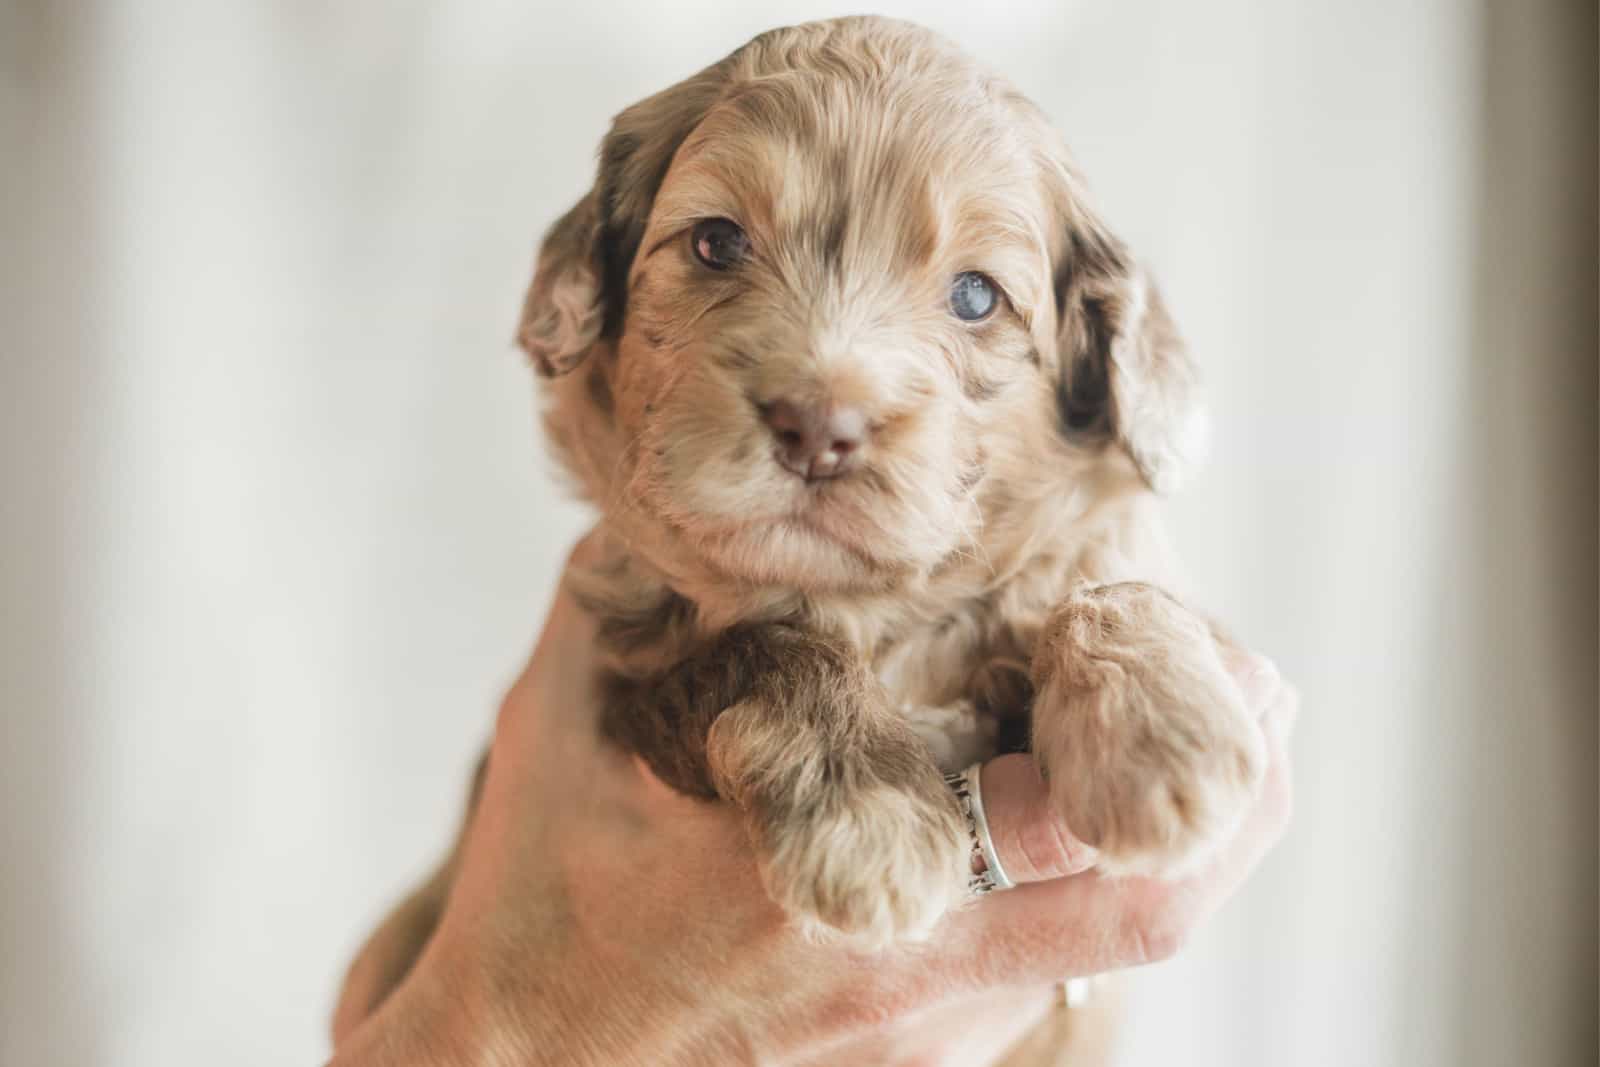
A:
x: 833, y: 301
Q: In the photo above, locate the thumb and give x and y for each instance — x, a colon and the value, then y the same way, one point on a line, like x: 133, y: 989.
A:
x: 1033, y: 842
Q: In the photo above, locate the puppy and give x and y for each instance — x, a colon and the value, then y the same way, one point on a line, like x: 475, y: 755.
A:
x: 874, y: 409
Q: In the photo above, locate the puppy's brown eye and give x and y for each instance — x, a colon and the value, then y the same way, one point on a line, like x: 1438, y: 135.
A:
x: 973, y: 296
x: 719, y: 243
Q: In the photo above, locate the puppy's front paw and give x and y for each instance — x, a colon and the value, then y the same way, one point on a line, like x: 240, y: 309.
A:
x: 878, y: 866
x: 1152, y: 755
x: 865, y: 841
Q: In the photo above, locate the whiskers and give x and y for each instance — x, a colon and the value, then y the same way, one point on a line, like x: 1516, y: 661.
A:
x: 970, y: 545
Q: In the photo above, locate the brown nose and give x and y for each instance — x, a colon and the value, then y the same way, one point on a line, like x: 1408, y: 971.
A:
x: 816, y: 440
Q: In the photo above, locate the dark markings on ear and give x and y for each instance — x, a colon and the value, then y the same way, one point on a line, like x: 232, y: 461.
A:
x: 578, y: 297
x: 1085, y: 393
x: 1126, y: 376
x: 621, y: 229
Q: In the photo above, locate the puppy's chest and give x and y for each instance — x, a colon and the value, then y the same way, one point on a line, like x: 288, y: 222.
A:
x: 948, y: 646
x: 960, y: 679
x: 933, y: 663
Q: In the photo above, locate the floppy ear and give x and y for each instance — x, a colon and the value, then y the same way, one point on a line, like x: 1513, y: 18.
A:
x: 565, y: 308
x: 579, y: 292
x: 1126, y: 375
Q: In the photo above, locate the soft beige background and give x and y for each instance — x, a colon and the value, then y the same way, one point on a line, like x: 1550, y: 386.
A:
x: 275, y: 528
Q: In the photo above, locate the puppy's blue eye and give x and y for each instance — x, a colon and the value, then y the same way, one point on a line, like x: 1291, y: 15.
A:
x: 973, y: 296
x: 719, y: 243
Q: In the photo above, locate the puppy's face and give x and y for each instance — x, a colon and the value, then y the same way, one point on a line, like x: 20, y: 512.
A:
x: 822, y: 328
x: 854, y: 305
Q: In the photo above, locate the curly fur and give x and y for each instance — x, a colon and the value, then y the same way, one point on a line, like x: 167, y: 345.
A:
x: 780, y: 643
x: 1009, y: 464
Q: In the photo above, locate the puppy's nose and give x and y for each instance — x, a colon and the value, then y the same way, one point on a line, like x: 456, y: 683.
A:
x: 816, y: 440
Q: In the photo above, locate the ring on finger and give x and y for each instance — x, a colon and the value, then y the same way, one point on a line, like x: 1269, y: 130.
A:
x: 988, y: 875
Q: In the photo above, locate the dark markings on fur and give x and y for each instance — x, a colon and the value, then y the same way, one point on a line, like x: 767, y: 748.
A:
x: 599, y: 390
x: 1015, y: 735
x: 1002, y: 689
x: 979, y: 387
x: 626, y: 632
x: 1085, y: 392
x: 1088, y: 283
x: 802, y: 685
x: 949, y: 562
x: 634, y: 157
x: 834, y: 229
x: 618, y: 235
x: 735, y: 359
x: 971, y: 475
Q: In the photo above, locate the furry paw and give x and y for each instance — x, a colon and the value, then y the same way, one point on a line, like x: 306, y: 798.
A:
x: 876, y: 867
x: 861, y: 839
x: 1151, y: 753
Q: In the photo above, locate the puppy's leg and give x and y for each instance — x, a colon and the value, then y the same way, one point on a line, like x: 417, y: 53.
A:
x: 1150, y: 751
x: 855, y: 828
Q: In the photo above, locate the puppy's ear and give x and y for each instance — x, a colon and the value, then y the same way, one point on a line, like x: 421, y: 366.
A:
x: 1126, y: 375
x: 579, y: 292
x: 565, y: 308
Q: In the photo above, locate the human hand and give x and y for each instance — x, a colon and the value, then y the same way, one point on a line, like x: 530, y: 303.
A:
x: 599, y: 917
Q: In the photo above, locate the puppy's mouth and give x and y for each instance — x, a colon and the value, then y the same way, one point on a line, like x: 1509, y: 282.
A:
x: 817, y: 514
x: 817, y: 510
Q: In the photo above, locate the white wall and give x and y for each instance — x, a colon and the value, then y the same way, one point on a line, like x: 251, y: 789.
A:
x: 277, y: 527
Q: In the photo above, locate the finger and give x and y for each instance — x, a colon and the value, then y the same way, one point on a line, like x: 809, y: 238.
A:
x: 1090, y: 923
x: 1033, y: 842
x: 1256, y: 676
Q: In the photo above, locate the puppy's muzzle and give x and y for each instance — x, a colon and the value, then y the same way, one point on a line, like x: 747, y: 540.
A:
x: 816, y: 439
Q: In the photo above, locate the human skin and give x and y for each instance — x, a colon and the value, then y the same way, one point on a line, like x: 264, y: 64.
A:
x: 598, y: 917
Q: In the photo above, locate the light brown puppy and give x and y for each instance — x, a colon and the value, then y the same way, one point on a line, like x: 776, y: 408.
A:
x: 873, y: 407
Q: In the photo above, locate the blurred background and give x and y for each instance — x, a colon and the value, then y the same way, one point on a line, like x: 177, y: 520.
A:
x: 276, y: 529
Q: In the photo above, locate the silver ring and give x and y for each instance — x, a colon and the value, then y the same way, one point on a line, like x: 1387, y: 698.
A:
x: 988, y: 875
